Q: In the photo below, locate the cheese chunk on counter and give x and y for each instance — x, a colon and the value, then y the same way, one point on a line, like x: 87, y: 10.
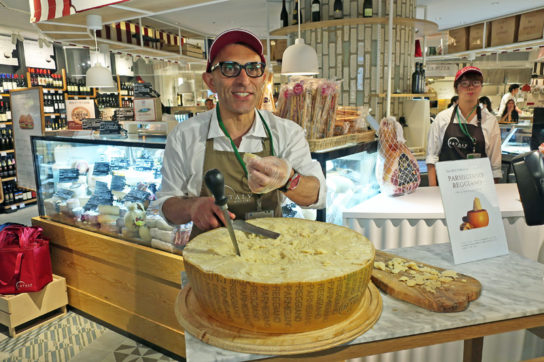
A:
x: 306, y: 251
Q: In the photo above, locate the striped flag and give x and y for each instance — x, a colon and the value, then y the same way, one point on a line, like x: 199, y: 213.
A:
x: 42, y: 10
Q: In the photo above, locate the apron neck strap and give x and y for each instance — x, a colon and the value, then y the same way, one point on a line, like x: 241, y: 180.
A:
x: 236, y: 152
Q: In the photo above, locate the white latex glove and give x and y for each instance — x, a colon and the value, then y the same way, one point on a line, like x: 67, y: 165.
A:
x: 267, y: 173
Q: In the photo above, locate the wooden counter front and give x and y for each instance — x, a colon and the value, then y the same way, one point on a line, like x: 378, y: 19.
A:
x: 129, y: 286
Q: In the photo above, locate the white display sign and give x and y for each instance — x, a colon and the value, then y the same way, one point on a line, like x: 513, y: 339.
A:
x: 27, y: 114
x: 36, y: 57
x: 440, y: 70
x: 472, y: 209
x: 6, y: 50
x: 77, y: 110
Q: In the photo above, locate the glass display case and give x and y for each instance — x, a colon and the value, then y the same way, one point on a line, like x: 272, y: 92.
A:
x: 106, y: 185
x: 350, y: 175
x: 516, y: 138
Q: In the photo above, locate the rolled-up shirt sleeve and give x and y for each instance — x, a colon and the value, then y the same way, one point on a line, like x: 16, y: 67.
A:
x: 435, y: 139
x: 173, y: 179
x: 493, y: 145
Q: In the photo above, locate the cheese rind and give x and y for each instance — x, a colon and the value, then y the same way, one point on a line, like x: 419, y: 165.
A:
x: 312, y: 276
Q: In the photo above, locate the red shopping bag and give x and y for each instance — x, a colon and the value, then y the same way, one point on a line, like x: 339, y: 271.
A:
x: 25, y: 264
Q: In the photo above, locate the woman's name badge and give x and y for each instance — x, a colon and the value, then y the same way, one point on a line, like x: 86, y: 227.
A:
x: 473, y: 155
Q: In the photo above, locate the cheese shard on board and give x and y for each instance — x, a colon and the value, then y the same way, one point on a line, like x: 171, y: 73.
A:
x: 314, y: 275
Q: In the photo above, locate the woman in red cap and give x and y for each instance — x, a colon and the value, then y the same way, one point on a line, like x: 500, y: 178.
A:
x: 465, y: 130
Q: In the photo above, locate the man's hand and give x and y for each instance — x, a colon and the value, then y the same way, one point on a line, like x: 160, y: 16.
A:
x: 206, y: 215
x: 267, y: 174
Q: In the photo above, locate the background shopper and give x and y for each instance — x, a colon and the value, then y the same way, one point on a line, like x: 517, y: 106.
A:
x: 513, y: 90
x: 510, y: 115
x: 485, y: 102
x: 465, y: 130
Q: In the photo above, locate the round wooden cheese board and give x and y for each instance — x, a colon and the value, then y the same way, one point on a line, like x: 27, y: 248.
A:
x: 196, y: 322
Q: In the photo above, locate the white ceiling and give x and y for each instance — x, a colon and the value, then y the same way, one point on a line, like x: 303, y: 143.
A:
x: 260, y: 16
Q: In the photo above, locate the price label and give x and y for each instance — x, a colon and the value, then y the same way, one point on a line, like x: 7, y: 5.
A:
x: 14, y: 207
x: 22, y: 205
x: 118, y: 183
x: 101, y: 169
x: 68, y: 175
x: 64, y: 194
x: 100, y: 187
x: 136, y: 195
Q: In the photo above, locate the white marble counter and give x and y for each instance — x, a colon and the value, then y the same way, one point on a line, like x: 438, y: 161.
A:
x: 512, y: 286
x: 426, y: 203
x: 418, y: 219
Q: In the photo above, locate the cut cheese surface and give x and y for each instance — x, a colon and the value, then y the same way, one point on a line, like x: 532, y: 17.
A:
x: 305, y: 251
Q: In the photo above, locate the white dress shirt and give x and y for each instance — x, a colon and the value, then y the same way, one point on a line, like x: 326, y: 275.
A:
x: 182, y: 170
x: 490, y: 129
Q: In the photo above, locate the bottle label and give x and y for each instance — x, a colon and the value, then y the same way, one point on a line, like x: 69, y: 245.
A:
x: 367, y: 12
x: 315, y: 8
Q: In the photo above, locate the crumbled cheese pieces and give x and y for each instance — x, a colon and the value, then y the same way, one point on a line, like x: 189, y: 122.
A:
x: 305, y: 251
x: 417, y: 274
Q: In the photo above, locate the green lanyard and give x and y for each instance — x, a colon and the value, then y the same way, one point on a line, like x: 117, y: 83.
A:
x: 464, y: 127
x: 232, y: 142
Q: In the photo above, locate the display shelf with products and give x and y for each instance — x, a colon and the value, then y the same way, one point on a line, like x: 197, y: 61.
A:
x: 96, y: 205
x: 425, y: 26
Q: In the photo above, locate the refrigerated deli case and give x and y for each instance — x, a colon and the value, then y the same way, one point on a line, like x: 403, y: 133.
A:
x: 119, y: 257
x: 105, y: 185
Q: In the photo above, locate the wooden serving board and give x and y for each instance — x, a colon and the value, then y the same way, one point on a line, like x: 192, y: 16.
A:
x: 195, y: 321
x: 452, y: 296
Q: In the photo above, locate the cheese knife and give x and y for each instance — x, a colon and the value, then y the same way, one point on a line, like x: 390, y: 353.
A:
x: 216, y: 184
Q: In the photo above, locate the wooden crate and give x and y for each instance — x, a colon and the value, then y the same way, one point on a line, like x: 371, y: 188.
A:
x: 504, y: 31
x: 18, y: 309
x: 458, y: 40
x: 531, y: 26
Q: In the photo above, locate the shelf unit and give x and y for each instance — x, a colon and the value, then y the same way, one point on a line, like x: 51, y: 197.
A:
x: 423, y: 26
x: 403, y: 95
x: 11, y: 178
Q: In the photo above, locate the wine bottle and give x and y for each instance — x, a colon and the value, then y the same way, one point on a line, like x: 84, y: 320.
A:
x: 338, y: 9
x: 316, y: 10
x: 415, y: 79
x: 421, y: 78
x: 367, y: 9
x: 284, y: 17
x: 295, y: 14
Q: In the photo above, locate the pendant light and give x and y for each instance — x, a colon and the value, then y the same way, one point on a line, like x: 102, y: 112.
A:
x: 299, y: 58
x: 97, y: 76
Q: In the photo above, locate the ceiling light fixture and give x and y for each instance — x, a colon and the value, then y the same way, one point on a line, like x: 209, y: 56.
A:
x: 97, y: 76
x: 299, y: 58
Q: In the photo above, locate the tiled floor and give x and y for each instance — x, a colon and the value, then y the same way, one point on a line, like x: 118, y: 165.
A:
x: 73, y: 337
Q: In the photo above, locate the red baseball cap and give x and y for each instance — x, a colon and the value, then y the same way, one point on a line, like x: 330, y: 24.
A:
x: 233, y: 36
x: 469, y: 69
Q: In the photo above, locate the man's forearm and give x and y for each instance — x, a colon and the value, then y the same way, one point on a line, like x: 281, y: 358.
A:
x: 307, y: 191
x: 177, y: 209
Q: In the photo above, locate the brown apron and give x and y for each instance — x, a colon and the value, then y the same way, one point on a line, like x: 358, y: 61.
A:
x: 456, y: 145
x: 240, y: 198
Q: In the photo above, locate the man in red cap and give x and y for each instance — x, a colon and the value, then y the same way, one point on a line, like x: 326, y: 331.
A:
x: 228, y: 138
x: 465, y: 130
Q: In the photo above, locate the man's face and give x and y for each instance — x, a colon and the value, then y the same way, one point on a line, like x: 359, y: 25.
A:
x: 515, y: 91
x: 238, y: 95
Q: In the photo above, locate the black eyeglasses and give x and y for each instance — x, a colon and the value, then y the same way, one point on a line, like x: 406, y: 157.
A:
x: 233, y: 69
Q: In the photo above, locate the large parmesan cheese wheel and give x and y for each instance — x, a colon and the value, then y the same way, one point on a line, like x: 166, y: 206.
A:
x: 312, y: 276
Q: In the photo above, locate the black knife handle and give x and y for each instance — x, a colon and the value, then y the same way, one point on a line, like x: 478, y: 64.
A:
x: 216, y: 184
